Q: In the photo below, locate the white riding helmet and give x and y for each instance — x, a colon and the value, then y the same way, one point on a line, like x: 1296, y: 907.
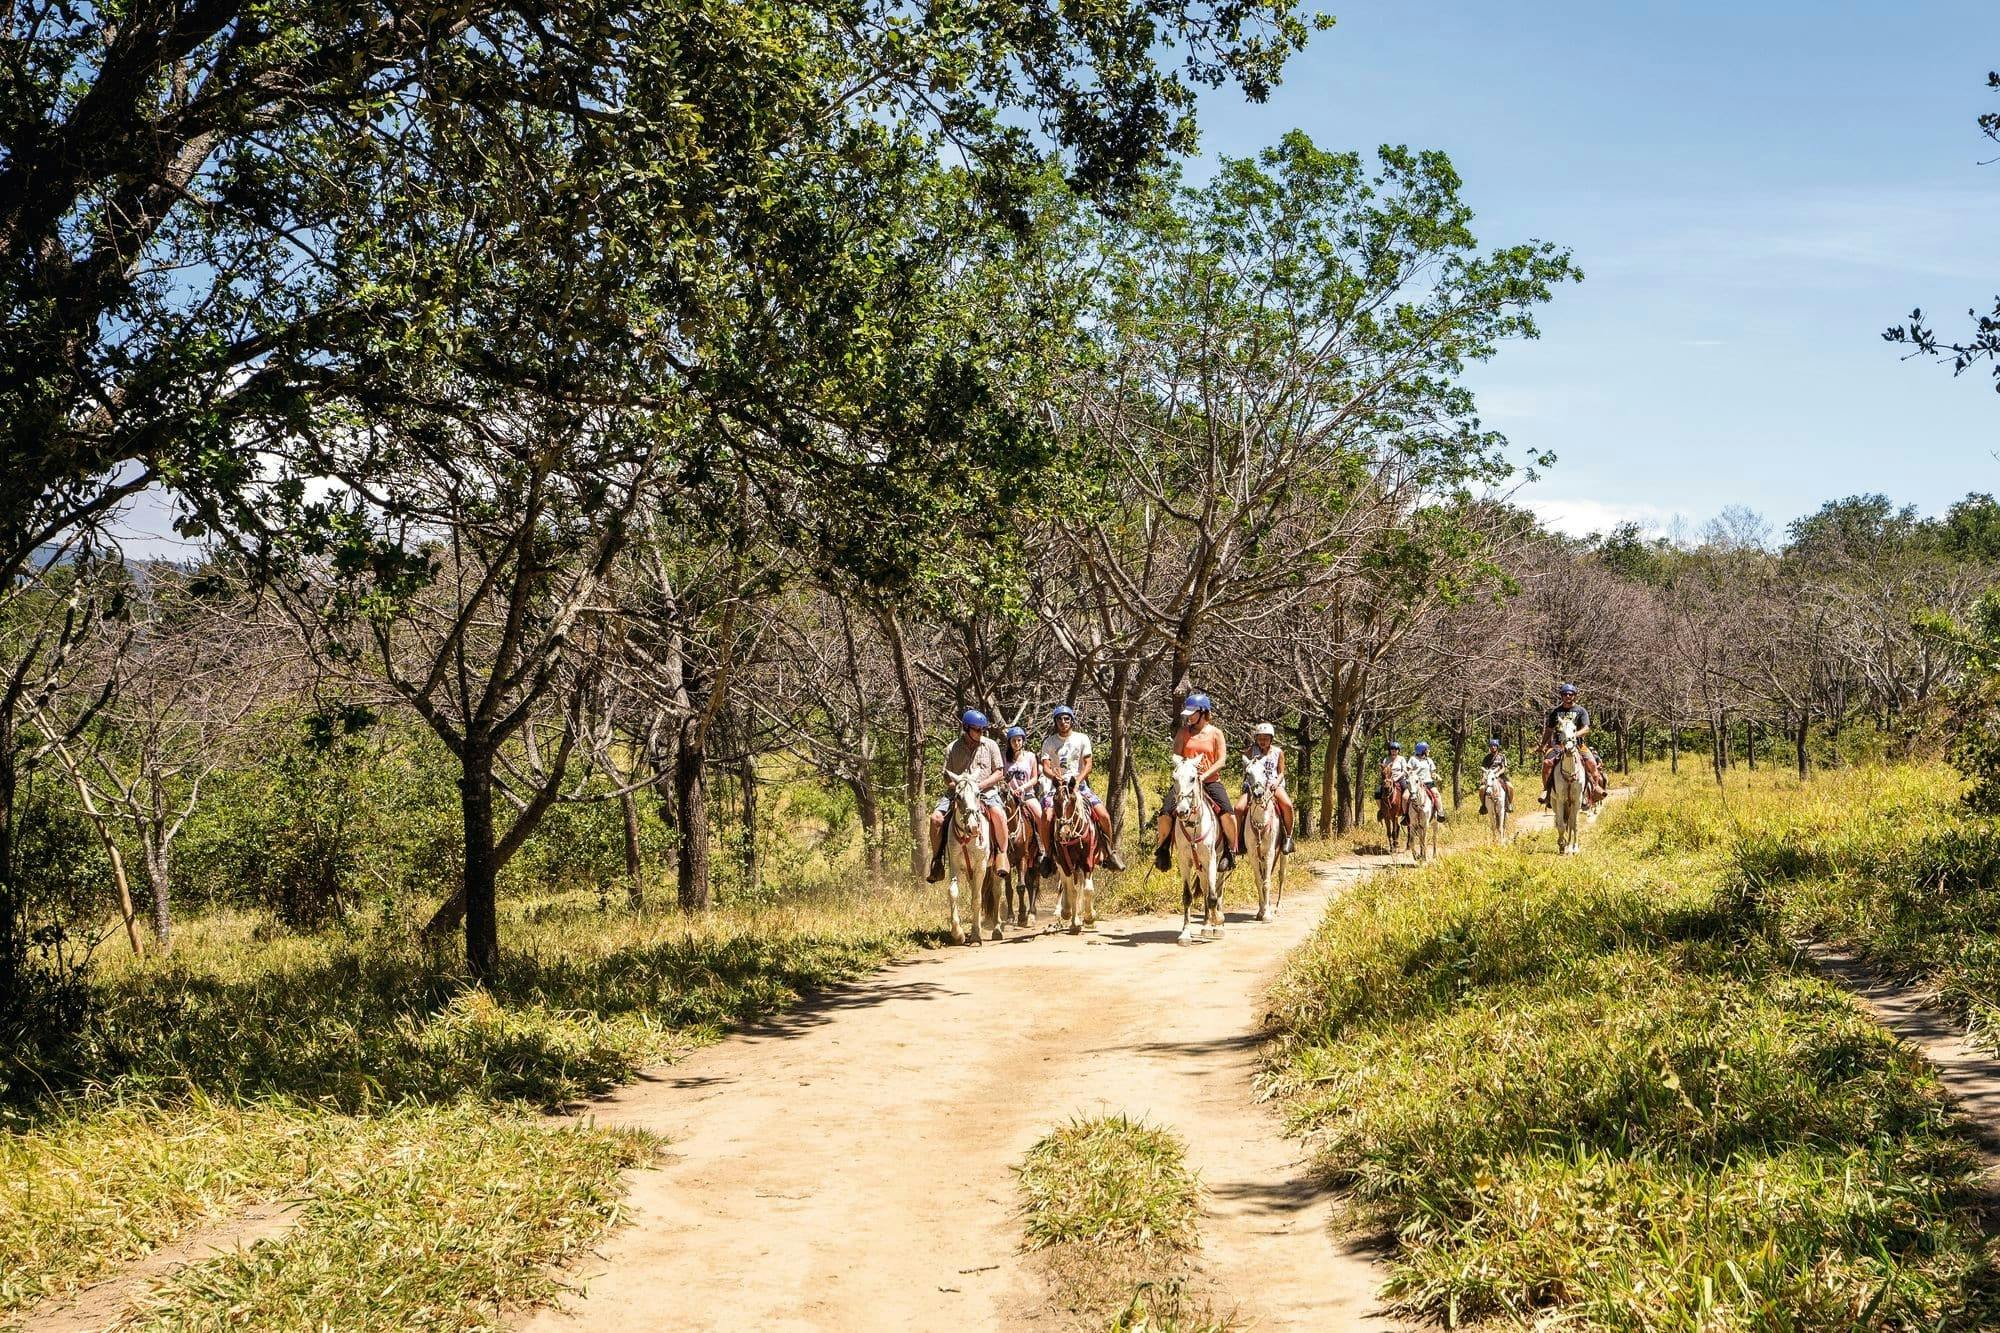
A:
x: 1265, y: 729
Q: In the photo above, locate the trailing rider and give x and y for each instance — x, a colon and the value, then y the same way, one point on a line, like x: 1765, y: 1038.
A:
x: 1024, y: 779
x: 1496, y: 761
x: 1270, y: 756
x: 973, y: 755
x: 1422, y: 771
x: 1066, y: 753
x: 1567, y: 709
x: 1203, y: 740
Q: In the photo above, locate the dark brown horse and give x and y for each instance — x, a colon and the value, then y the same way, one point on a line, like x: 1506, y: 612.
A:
x: 1391, y: 806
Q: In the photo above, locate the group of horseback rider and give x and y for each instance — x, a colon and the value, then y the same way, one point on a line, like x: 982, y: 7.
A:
x: 1029, y: 776
x: 1421, y: 770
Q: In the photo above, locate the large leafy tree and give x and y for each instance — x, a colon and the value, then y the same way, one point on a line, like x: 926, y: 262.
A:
x: 231, y: 232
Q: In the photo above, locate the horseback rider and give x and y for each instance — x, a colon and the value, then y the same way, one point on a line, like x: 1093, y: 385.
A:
x: 1270, y: 756
x: 974, y: 755
x: 1496, y: 762
x: 1422, y: 771
x: 1024, y: 779
x: 1065, y: 754
x: 1567, y: 709
x: 1393, y: 769
x: 1202, y: 739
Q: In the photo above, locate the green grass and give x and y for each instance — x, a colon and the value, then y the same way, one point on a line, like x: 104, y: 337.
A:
x: 1602, y: 1089
x: 1113, y: 1207
x: 361, y: 1074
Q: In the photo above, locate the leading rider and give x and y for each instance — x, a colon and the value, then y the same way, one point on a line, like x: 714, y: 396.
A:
x: 975, y: 755
x: 1568, y: 710
x: 1202, y: 739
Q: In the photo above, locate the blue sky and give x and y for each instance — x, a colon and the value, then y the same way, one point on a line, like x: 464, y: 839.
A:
x: 1754, y: 191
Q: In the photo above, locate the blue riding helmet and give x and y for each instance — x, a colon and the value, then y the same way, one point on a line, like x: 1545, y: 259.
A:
x: 1198, y: 703
x: 1565, y: 689
x: 1395, y: 745
x: 1423, y: 747
x: 1013, y: 732
x: 972, y: 717
x: 1063, y: 711
x: 1493, y: 744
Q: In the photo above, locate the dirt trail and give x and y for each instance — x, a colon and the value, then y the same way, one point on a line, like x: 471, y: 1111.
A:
x: 848, y: 1166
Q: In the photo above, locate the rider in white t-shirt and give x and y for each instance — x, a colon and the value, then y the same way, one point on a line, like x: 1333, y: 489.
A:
x: 1422, y: 771
x: 1066, y: 754
x: 1268, y: 754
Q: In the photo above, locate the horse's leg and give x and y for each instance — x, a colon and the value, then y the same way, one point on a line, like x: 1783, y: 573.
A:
x: 1089, y: 900
x: 951, y: 889
x: 1187, y: 891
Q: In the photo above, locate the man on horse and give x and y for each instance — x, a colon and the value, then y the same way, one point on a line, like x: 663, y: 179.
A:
x: 1568, y: 710
x: 1269, y: 755
x: 972, y: 755
x: 1203, y: 740
x: 1066, y: 753
x: 1422, y: 774
x: 1496, y: 762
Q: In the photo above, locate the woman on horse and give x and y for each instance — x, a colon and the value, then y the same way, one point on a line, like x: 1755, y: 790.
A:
x: 1267, y: 753
x: 1423, y: 772
x: 1024, y: 779
x: 972, y: 755
x: 1066, y: 753
x: 1496, y: 760
x: 1202, y: 739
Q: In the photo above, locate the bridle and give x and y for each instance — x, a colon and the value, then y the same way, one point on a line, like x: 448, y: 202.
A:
x: 1188, y: 803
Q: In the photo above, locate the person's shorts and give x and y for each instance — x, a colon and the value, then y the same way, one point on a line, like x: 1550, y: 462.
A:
x: 988, y: 797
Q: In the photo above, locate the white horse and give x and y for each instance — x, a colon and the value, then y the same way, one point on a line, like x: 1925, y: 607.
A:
x: 971, y: 856
x: 1197, y: 850
x: 1495, y: 792
x: 1263, y: 840
x: 1566, y: 793
x: 1075, y: 836
x: 1423, y: 823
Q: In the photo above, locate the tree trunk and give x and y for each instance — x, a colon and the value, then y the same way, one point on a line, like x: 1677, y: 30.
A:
x: 1301, y: 778
x: 480, y: 902
x: 13, y: 933
x: 746, y: 784
x: 868, y: 809
x: 1799, y: 739
x: 1458, y: 728
x: 1333, y: 786
x: 1750, y: 743
x: 1357, y: 785
x: 913, y: 745
x: 1674, y: 747
x: 1624, y: 758
x: 691, y: 809
x: 635, y: 879
x: 1118, y: 750
x: 160, y: 883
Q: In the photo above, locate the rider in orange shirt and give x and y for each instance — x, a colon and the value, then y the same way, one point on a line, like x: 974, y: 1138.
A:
x: 1204, y: 740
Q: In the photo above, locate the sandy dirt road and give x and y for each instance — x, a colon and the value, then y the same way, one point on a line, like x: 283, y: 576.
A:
x: 848, y: 1166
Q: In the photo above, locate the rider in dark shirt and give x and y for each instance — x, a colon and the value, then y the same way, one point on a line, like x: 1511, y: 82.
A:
x: 1567, y: 708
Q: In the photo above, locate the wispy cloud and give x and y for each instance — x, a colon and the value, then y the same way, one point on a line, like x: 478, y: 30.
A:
x: 1581, y: 516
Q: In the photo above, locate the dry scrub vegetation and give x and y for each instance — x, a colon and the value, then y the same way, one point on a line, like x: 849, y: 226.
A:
x: 1604, y: 1089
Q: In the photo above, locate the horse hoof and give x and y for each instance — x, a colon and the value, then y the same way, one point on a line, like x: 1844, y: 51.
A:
x: 996, y: 934
x: 1185, y: 937
x: 1076, y: 927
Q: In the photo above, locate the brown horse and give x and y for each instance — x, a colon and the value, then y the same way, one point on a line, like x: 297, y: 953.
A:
x: 1391, y: 806
x: 1022, y: 881
x: 1074, y: 834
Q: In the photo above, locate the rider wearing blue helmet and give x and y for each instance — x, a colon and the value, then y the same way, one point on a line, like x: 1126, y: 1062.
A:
x: 1024, y: 780
x: 1200, y: 737
x: 972, y: 755
x: 1422, y: 771
x: 1066, y: 754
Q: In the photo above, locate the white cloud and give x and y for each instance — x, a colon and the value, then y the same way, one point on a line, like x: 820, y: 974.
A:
x: 1581, y: 517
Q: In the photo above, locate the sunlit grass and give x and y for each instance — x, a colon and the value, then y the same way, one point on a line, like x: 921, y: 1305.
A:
x: 1602, y: 1089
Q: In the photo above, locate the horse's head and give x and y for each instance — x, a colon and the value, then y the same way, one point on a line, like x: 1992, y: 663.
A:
x: 1187, y: 785
x: 1566, y: 731
x: 964, y: 798
x: 1256, y: 781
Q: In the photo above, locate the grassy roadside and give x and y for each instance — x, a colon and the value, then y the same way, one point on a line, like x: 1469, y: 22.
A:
x: 1601, y: 1089
x: 1112, y: 1208
x: 360, y: 1075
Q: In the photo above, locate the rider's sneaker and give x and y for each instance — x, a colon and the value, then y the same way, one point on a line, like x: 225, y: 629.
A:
x: 1113, y: 859
x: 1289, y: 848
x: 1163, y: 857
x: 1228, y: 857
x: 1443, y: 818
x: 1543, y: 799
x: 937, y: 872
